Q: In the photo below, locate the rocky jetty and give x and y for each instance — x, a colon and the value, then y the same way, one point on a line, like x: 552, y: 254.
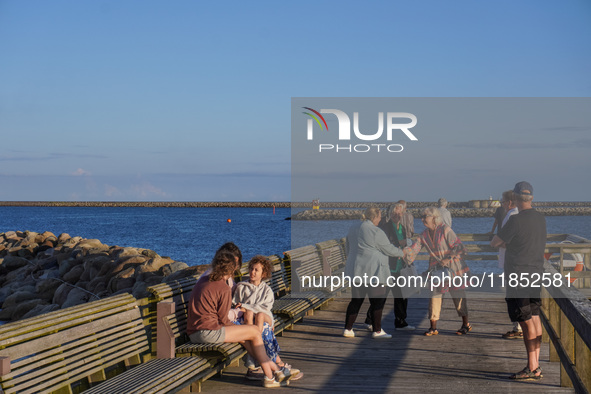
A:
x: 353, y: 214
x: 40, y: 273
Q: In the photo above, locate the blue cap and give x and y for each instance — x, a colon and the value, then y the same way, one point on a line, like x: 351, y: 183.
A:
x: 523, y: 188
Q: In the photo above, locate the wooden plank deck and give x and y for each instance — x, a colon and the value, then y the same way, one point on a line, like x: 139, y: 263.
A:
x: 409, y: 362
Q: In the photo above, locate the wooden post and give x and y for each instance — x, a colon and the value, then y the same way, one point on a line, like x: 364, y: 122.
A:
x: 4, y: 366
x: 164, y: 334
x: 567, y: 337
x: 326, y: 271
x: 554, y: 320
x: 583, y: 360
x: 546, y: 310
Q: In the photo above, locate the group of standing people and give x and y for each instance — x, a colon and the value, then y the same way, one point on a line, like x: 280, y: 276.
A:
x: 381, y: 247
x: 221, y: 311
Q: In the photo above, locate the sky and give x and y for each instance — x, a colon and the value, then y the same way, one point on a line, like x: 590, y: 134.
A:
x: 191, y: 101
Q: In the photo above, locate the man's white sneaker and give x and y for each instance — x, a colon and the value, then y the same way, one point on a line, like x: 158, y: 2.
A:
x: 348, y: 334
x: 406, y: 328
x: 381, y: 335
x: 369, y: 327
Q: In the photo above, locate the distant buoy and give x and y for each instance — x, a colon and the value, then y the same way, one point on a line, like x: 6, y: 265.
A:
x: 229, y: 220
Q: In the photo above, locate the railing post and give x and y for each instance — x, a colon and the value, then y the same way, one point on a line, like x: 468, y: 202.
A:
x: 567, y: 337
x: 546, y: 310
x: 554, y: 320
x: 583, y: 360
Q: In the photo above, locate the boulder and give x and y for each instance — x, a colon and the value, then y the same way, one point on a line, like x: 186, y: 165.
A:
x: 66, y: 266
x: 194, y: 270
x: 89, y: 243
x: 76, y: 297
x: 117, y: 284
x: 63, y: 237
x: 178, y: 265
x: 152, y: 265
x: 13, y: 262
x: 25, y: 307
x: 150, y: 253
x: 46, y: 288
x: 139, y: 290
x: 74, y: 274
x: 61, y: 294
x: 18, y: 298
x: 40, y: 310
x: 130, y: 261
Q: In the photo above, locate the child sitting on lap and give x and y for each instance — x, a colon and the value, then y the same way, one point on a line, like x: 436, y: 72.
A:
x: 255, y: 298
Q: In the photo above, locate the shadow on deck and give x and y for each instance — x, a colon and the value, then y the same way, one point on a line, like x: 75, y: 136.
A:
x: 409, y: 362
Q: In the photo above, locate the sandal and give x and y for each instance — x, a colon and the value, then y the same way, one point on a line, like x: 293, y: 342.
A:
x: 464, y: 329
x: 513, y: 335
x: 538, y: 372
x: 431, y: 332
x: 526, y: 374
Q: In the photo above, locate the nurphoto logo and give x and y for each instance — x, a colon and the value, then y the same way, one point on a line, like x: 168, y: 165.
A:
x: 393, y: 127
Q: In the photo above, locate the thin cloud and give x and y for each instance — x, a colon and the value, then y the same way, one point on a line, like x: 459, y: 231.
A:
x: 51, y: 156
x: 81, y: 172
x: 519, y: 145
x: 146, y: 190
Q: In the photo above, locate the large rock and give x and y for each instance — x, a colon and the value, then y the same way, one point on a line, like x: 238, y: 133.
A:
x: 18, y: 298
x: 74, y: 274
x: 195, y: 270
x: 25, y: 307
x: 46, y: 288
x: 128, y: 262
x: 40, y: 310
x: 14, y: 262
x: 63, y: 237
x: 76, y: 297
x: 61, y: 294
x: 152, y: 265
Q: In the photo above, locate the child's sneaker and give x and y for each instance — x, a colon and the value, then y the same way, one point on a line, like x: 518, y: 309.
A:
x: 255, y: 374
x: 285, y: 373
x: 271, y: 383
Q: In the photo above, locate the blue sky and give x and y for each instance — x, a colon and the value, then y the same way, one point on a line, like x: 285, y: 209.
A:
x: 190, y: 101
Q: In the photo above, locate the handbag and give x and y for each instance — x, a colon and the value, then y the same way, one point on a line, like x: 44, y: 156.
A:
x: 412, y: 284
x: 444, y: 274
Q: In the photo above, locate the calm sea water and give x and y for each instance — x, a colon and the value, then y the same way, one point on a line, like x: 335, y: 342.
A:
x: 192, y: 235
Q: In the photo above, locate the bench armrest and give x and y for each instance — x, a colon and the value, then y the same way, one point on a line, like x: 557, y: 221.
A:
x: 164, y: 334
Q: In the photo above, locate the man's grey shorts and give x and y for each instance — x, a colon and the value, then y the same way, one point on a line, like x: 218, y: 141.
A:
x: 209, y: 336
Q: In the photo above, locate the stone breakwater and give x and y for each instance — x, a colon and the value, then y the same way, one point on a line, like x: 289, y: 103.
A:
x: 40, y: 273
x: 354, y: 214
x: 281, y: 204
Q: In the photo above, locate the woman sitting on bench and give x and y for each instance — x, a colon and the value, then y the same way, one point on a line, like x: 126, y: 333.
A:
x: 208, y: 321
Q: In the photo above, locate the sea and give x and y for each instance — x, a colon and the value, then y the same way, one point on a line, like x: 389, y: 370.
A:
x: 192, y: 235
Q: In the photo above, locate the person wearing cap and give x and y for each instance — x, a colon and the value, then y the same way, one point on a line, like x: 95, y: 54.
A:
x: 524, y: 236
x: 445, y: 214
x: 508, y: 205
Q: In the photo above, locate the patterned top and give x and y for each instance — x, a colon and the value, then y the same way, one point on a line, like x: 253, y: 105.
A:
x: 443, y: 244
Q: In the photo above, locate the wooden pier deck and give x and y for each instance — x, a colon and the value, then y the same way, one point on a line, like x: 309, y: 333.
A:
x: 409, y: 362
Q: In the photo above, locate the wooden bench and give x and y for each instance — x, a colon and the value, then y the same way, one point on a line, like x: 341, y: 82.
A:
x: 307, y: 261
x: 79, y: 347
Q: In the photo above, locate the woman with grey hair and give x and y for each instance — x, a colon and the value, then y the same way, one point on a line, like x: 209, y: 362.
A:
x: 445, y: 250
x: 368, y: 249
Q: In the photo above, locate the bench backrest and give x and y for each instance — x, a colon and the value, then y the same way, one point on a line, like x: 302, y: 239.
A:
x: 304, y: 261
x: 179, y: 292
x: 54, y: 350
